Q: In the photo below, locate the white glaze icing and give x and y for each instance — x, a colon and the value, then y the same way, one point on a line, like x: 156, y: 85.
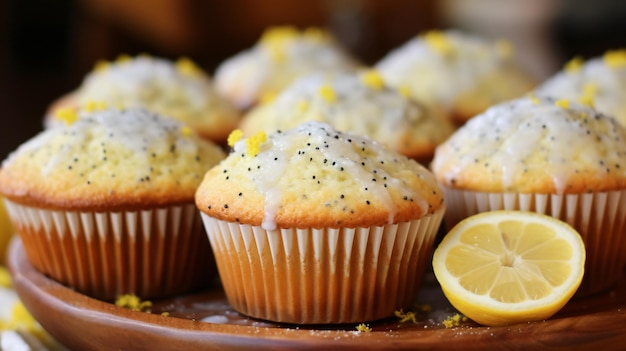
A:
x: 380, y: 113
x: 361, y: 159
x: 608, y: 85
x: 534, y: 135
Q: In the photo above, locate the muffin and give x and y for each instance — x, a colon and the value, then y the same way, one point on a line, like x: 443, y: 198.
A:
x: 600, y: 82
x: 280, y: 56
x: 461, y: 73
x: 360, y: 104
x: 105, y: 204
x: 312, y: 225
x: 180, y: 90
x: 558, y: 158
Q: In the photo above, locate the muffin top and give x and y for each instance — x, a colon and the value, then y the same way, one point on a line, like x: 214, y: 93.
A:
x: 278, y: 58
x: 535, y: 145
x: 180, y: 90
x: 463, y: 73
x: 360, y: 104
x: 108, y: 159
x: 313, y: 176
x: 600, y: 82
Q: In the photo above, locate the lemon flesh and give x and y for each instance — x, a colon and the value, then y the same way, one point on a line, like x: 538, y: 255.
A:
x: 505, y: 267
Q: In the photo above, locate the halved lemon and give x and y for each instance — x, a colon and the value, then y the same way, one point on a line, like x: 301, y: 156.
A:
x: 506, y: 267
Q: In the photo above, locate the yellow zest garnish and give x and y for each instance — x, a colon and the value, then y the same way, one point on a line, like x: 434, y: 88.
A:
x: 268, y: 97
x: 327, y: 93
x: 279, y: 34
x: 21, y: 319
x: 101, y: 66
x: 302, y: 106
x: 254, y: 143
x: 454, y: 321
x: 438, y: 41
x: 67, y: 115
x: 316, y: 34
x: 123, y: 58
x: 586, y: 100
x: 534, y: 98
x: 372, y: 79
x: 504, y: 48
x: 165, y: 314
x: 132, y: 302
x: 92, y: 106
x: 405, y: 316
x: 234, y: 137
x: 187, y: 67
x: 574, y: 65
x: 615, y: 58
x: 5, y: 277
x: 404, y: 91
x: 590, y: 90
x: 186, y: 131
x: 275, y: 39
x: 562, y: 103
x: 363, y: 328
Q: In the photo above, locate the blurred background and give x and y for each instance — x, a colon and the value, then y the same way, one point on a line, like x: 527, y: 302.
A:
x: 47, y: 46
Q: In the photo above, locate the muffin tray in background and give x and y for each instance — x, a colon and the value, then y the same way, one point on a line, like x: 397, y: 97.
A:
x: 205, y: 320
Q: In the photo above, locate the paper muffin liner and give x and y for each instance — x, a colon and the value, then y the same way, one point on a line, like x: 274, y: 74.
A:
x: 600, y: 218
x: 151, y: 253
x: 321, y: 276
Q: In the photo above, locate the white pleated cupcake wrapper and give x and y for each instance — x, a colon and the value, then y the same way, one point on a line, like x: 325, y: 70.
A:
x: 314, y: 276
x: 600, y: 218
x: 150, y: 253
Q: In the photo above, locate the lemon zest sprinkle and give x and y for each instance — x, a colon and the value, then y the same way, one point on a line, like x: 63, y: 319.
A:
x: 274, y: 39
x: 92, y: 106
x: 438, y: 41
x: 254, y: 142
x: 405, y: 316
x: 101, y: 66
x: 363, y: 328
x: 67, y: 115
x: 302, y: 106
x: 187, y: 67
x: 372, y: 79
x: 123, y: 58
x: 268, y: 97
x: 586, y: 100
x: 165, y: 314
x: 132, y: 302
x: 234, y: 137
x: 562, y: 103
x: 534, y: 98
x: 454, y: 321
x: 327, y: 93
x: 504, y: 48
x: 405, y: 91
x: 574, y: 65
x: 615, y: 58
x: 316, y: 34
x: 5, y: 277
x: 186, y: 131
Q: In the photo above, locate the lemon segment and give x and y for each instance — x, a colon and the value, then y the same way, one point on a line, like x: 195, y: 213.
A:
x: 506, y: 267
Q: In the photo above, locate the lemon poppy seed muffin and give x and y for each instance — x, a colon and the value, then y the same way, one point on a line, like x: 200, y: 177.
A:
x: 599, y: 82
x: 457, y: 71
x: 281, y: 55
x: 356, y: 103
x: 105, y: 205
x: 180, y: 90
x: 550, y: 156
x: 312, y: 225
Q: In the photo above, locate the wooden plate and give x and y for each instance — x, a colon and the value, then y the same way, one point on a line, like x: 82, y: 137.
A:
x: 204, y: 320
